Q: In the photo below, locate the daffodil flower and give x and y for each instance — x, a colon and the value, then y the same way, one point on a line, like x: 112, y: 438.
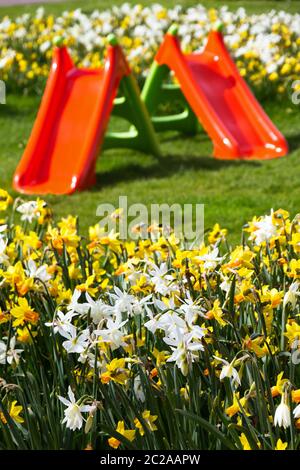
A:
x: 8, y: 353
x: 4, y: 259
x: 29, y: 211
x: 229, y: 371
x: 292, y: 294
x: 76, y: 343
x: 296, y: 412
x: 62, y: 323
x: 113, y: 333
x: 73, y: 417
x: 282, y: 417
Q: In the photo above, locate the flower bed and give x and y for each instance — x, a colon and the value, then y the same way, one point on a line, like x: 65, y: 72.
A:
x: 145, y: 344
x: 266, y: 47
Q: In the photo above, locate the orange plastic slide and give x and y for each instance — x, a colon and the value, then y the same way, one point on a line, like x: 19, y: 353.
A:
x: 61, y: 153
x: 222, y: 101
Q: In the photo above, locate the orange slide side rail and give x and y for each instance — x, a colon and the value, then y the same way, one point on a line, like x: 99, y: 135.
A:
x: 222, y: 101
x: 61, y: 153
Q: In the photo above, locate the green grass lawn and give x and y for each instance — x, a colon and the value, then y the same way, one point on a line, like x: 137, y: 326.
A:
x: 232, y: 192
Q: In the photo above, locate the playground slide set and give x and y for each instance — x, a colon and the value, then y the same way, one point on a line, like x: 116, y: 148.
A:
x: 71, y: 124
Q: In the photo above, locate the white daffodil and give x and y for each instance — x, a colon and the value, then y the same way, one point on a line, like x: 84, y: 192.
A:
x: 190, y: 309
x: 210, y: 259
x: 36, y: 272
x: 3, y: 229
x: 171, y: 322
x: 76, y: 343
x: 128, y: 303
x: 181, y: 358
x: 296, y: 412
x: 185, y: 346
x: 264, y: 230
x: 155, y: 322
x: 225, y: 284
x: 113, y: 333
x: 152, y: 324
x: 162, y: 281
x: 229, y: 371
x: 292, y: 294
x: 75, y: 306
x: 138, y: 389
x: 9, y: 354
x: 73, y: 417
x: 3, y: 256
x: 98, y: 309
x: 29, y: 211
x: 9, y: 56
x: 158, y: 321
x: 62, y: 323
x: 181, y: 334
x: 282, y: 416
x: 123, y: 302
x: 87, y: 357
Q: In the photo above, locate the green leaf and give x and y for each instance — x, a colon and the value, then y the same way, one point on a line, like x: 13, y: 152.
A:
x: 209, y: 427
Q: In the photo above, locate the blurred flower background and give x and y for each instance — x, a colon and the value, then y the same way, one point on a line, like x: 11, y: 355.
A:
x: 266, y: 47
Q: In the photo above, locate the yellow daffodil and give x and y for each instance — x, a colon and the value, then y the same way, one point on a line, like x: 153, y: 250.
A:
x: 149, y: 419
x: 23, y: 313
x: 115, y: 371
x: 281, y: 445
x: 14, y: 412
x: 245, y: 442
x: 5, y: 200
x: 216, y: 234
x: 295, y: 242
x: 292, y: 332
x: 216, y: 313
x: 278, y: 389
x: 160, y: 356
x: 235, y: 407
x: 25, y: 335
x: 296, y: 396
x: 87, y: 285
x: 15, y: 276
x: 127, y: 433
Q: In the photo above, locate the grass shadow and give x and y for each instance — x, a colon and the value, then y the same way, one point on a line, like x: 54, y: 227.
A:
x: 293, y: 142
x: 164, y: 167
x: 12, y: 110
x: 173, y: 136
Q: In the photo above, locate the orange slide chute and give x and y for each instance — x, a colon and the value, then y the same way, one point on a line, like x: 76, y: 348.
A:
x: 222, y: 101
x: 61, y: 153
